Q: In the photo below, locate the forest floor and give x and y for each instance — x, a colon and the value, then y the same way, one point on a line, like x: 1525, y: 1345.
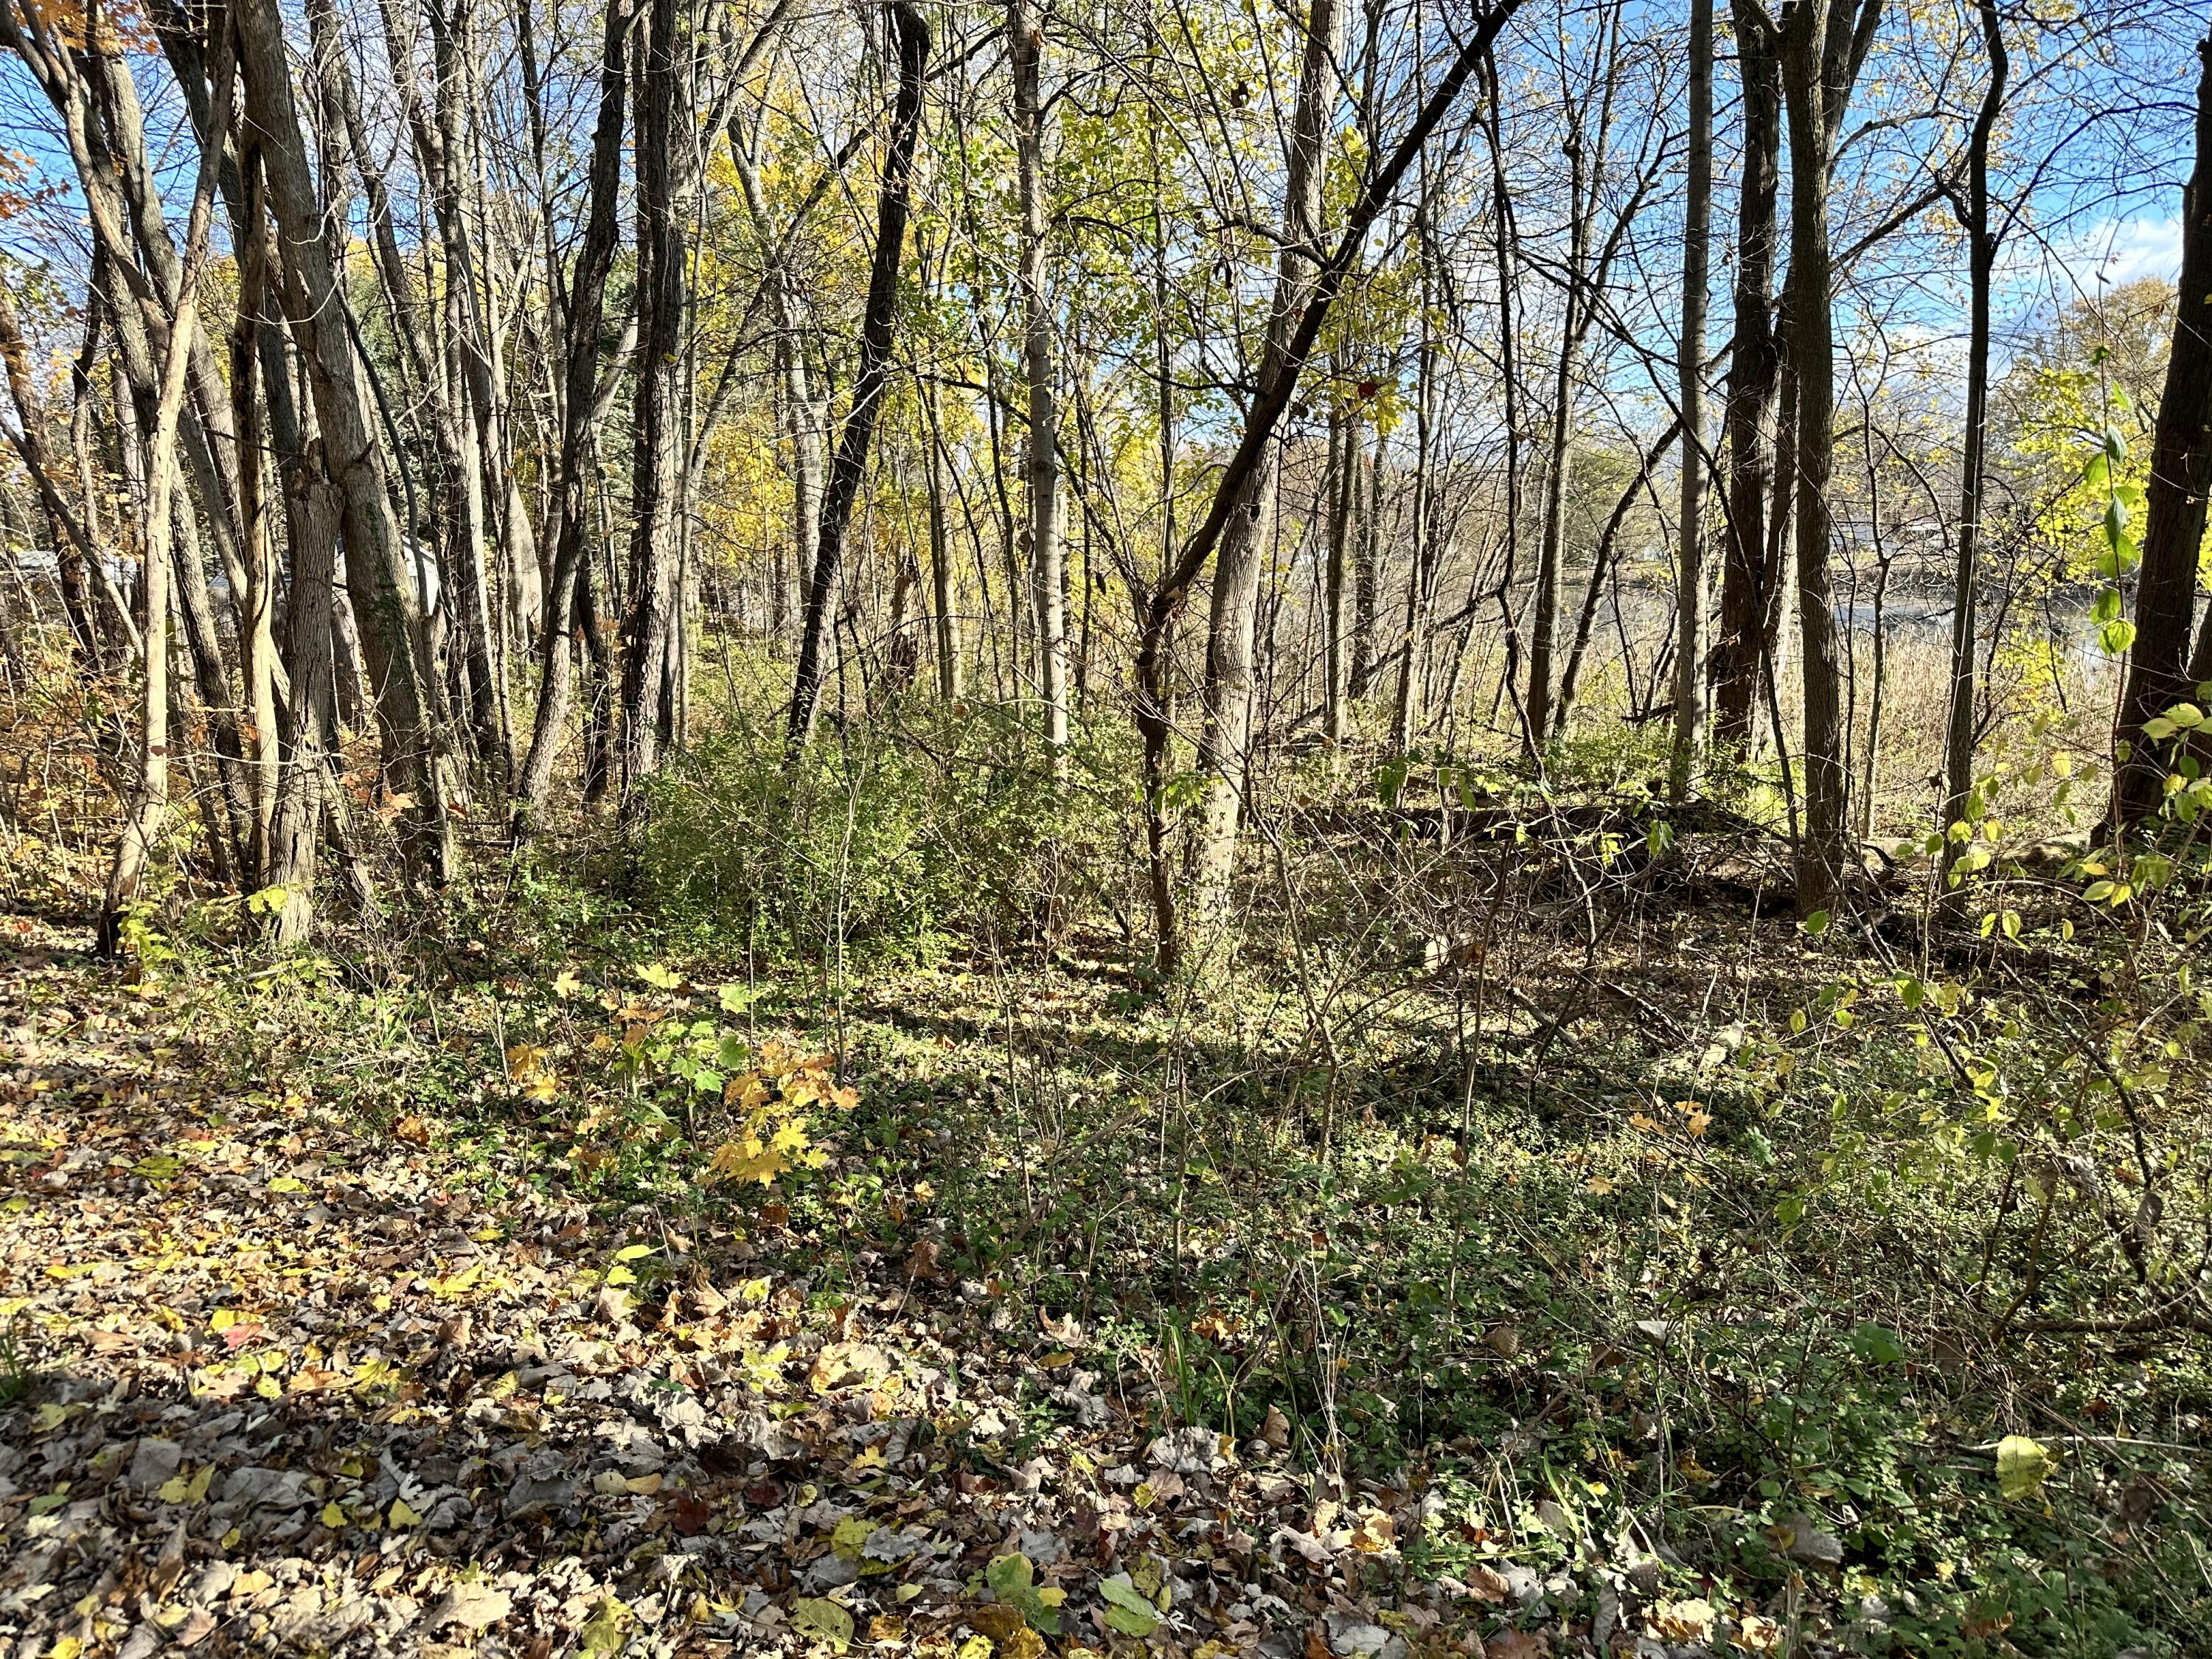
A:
x: 452, y: 1308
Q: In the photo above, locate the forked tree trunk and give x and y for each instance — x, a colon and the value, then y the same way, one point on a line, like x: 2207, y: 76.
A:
x: 1225, y: 745
x: 381, y: 586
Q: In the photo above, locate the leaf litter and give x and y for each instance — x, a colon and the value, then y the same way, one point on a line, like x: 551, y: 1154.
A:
x: 283, y: 1384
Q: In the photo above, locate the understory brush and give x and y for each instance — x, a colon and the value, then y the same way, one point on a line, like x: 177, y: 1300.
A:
x: 1849, y: 1275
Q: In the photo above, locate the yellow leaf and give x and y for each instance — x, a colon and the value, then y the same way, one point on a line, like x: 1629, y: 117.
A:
x: 333, y: 1516
x: 402, y: 1516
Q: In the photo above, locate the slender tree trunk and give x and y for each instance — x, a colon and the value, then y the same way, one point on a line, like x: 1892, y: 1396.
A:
x: 1749, y: 577
x: 1338, y: 489
x: 1586, y: 169
x: 1048, y: 554
x: 256, y: 552
x: 877, y: 321
x: 1690, y: 576
x: 142, y: 827
x: 1421, y: 581
x: 377, y: 574
x: 942, y: 591
x: 656, y: 485
x: 565, y: 617
x: 1981, y: 258
x: 1225, y: 747
x: 1366, y: 492
x: 1819, y: 65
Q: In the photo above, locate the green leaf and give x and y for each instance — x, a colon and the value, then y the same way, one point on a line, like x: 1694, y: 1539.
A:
x: 1877, y: 1345
x: 1007, y: 1575
x: 1012, y: 1579
x: 1126, y: 1610
x: 1390, y: 781
x: 2022, y: 1464
x: 1816, y: 924
x: 821, y: 1617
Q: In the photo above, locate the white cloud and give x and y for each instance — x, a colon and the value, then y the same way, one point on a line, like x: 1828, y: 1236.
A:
x: 2113, y: 253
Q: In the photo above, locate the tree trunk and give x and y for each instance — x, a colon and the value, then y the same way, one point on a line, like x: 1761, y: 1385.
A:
x: 1338, y: 489
x: 150, y: 806
x: 564, y: 617
x: 1048, y: 554
x: 878, y: 320
x: 1225, y: 745
x: 2173, y: 519
x: 381, y: 586
x: 1749, y: 577
x: 1819, y: 64
x: 1981, y: 258
x: 656, y: 464
x: 1690, y: 366
x: 942, y: 593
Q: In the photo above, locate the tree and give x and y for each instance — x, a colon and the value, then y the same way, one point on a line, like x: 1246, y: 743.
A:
x: 1750, y: 581
x: 149, y: 806
x: 1982, y: 240
x: 2159, y: 673
x: 911, y: 35
x: 1223, y: 752
x: 381, y: 585
x: 1690, y: 368
x: 1823, y: 43
x: 1025, y: 52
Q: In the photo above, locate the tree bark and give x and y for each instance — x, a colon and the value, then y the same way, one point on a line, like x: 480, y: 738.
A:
x: 1749, y: 577
x: 656, y: 464
x: 1025, y: 49
x: 877, y: 322
x: 2159, y: 674
x: 381, y: 587
x: 1690, y: 366
x: 1225, y: 744
x: 1981, y: 262
x: 150, y: 806
x: 564, y: 619
x: 1820, y: 56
